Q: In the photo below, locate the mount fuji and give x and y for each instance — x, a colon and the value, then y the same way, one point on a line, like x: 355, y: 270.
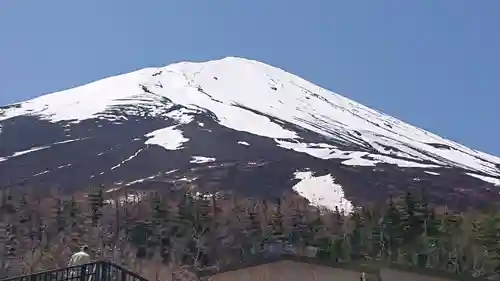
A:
x: 232, y: 124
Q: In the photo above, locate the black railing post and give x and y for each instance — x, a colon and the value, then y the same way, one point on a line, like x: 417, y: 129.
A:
x: 97, y: 271
x: 123, y: 275
x: 104, y: 272
x: 83, y: 273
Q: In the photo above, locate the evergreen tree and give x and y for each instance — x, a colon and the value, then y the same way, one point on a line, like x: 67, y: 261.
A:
x: 393, y: 226
x: 277, y: 224
x: 356, y: 236
x: 411, y: 219
x: 300, y: 234
x: 160, y: 225
x: 96, y: 200
x: 254, y: 233
x: 317, y: 227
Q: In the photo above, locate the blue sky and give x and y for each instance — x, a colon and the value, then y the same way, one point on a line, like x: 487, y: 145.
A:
x: 434, y: 64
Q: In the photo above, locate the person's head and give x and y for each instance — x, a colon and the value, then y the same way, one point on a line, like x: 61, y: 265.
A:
x: 85, y: 248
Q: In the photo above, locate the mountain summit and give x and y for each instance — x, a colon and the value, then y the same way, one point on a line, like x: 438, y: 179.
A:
x: 232, y: 124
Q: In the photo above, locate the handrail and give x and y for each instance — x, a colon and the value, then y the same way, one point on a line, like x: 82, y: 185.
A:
x: 49, y: 271
x: 131, y: 273
x: 94, y: 271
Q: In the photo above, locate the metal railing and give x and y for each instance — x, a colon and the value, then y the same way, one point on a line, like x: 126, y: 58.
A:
x: 96, y: 271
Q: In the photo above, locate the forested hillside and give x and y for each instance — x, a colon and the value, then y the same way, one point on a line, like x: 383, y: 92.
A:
x: 175, y: 230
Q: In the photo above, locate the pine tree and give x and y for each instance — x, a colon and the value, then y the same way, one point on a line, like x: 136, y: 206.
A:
x: 58, y: 215
x: 181, y: 231
x: 277, y: 224
x: 300, y: 234
x: 412, y: 220
x: 376, y: 243
x: 393, y: 226
x: 96, y: 201
x: 202, y: 228
x: 73, y: 213
x: 356, y: 235
x: 317, y: 227
x: 160, y: 225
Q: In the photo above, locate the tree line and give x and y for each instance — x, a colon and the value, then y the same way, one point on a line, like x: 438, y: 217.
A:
x: 176, y: 229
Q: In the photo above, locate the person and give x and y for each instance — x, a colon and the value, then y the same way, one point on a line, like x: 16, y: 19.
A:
x: 80, y: 258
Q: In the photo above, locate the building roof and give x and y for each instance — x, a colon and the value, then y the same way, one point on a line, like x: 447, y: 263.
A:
x: 367, y: 266
x: 266, y: 259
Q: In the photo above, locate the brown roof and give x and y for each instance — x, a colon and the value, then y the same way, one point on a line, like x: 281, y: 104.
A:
x: 261, y: 260
x: 360, y: 266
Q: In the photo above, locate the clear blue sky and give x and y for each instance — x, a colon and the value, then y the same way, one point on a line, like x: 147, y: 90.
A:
x: 434, y: 64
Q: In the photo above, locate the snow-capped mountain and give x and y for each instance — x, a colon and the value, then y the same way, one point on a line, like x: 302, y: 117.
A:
x: 233, y: 124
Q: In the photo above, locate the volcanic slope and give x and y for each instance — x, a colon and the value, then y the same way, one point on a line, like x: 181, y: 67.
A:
x: 232, y: 124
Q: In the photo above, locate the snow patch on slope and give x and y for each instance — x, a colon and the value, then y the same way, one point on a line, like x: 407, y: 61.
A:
x: 357, y: 160
x: 492, y: 180
x: 151, y: 177
x: 16, y: 154
x: 400, y: 162
x: 41, y: 173
x: 321, y: 152
x: 321, y: 191
x: 34, y: 149
x: 201, y: 159
x: 325, y: 151
x: 169, y: 138
x: 127, y: 160
x: 143, y: 180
